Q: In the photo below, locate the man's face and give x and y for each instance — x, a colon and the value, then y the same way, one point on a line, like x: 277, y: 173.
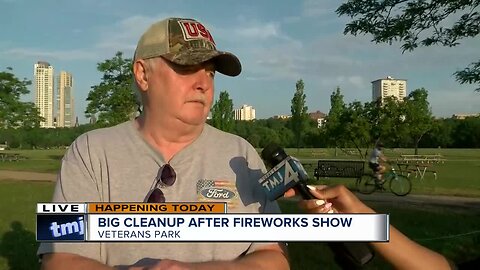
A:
x: 183, y: 93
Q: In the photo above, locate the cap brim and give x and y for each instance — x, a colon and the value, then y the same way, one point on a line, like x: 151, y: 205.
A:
x: 225, y: 62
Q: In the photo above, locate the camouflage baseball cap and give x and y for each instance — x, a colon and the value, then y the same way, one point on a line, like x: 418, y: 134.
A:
x: 185, y: 42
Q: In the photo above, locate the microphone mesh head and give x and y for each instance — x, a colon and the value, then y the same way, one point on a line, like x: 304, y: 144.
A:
x: 273, y: 154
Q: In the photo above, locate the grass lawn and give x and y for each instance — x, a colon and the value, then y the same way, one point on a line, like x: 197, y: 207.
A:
x: 454, y: 234
x: 18, y: 246
x: 458, y: 175
x: 36, y: 160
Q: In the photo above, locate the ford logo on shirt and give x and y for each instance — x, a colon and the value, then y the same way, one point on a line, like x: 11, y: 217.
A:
x: 218, y: 193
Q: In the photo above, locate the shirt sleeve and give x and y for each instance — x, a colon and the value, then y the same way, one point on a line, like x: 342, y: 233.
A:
x: 76, y: 182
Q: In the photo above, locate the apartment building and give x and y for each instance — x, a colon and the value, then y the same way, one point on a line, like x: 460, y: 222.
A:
x: 389, y: 86
x: 246, y: 113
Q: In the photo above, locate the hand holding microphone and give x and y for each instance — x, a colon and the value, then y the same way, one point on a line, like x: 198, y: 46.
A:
x: 288, y: 173
x: 340, y: 198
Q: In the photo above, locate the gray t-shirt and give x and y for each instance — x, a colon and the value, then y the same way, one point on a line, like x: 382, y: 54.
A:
x: 376, y: 153
x: 117, y: 165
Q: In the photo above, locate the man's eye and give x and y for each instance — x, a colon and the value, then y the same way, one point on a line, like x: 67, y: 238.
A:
x: 211, y: 73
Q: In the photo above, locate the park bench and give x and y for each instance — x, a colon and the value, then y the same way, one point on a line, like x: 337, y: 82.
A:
x: 339, y: 168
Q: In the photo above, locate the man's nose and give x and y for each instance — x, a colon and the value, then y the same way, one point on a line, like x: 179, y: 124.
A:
x: 202, y: 80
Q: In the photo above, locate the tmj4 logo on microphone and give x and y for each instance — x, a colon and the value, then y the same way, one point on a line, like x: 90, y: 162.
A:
x: 282, y: 177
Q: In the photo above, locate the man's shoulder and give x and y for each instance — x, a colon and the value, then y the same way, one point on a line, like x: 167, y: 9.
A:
x: 220, y: 135
x: 104, y: 135
x: 224, y: 143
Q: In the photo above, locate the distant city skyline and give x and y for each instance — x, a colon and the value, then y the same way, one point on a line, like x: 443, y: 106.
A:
x: 54, y: 96
x: 276, y: 46
x: 43, y: 77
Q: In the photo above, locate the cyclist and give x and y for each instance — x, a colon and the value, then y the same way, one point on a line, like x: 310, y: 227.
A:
x: 374, y: 162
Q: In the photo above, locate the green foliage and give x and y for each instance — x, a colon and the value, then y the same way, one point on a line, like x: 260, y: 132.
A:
x: 42, y: 138
x: 397, y: 123
x: 264, y: 131
x: 418, y: 116
x: 417, y: 23
x: 222, y: 113
x: 470, y: 74
x: 299, y: 120
x: 13, y: 112
x: 387, y: 118
x: 333, y: 125
x: 113, y: 99
x: 440, y: 135
x: 348, y: 126
x: 467, y: 132
x: 356, y: 126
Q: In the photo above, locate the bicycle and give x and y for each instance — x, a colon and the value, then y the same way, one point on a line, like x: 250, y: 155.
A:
x: 400, y: 185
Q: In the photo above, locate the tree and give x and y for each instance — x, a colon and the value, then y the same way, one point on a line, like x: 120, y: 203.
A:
x: 222, y: 113
x: 113, y: 99
x: 417, y: 23
x: 333, y: 125
x: 467, y: 133
x: 389, y: 124
x: 355, y: 127
x: 441, y: 134
x: 13, y: 112
x: 299, y: 120
x: 418, y: 116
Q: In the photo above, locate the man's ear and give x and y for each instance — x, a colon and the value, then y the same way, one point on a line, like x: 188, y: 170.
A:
x: 140, y: 74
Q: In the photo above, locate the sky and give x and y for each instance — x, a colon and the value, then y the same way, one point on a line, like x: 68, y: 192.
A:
x: 277, y: 42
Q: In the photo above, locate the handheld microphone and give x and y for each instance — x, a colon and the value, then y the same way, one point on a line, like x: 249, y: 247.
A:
x: 287, y: 172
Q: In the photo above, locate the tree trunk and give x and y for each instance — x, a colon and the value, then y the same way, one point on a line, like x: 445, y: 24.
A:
x: 417, y: 141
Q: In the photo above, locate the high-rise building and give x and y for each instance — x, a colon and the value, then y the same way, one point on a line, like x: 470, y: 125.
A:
x: 244, y: 113
x: 65, y: 101
x: 387, y: 87
x: 44, y: 97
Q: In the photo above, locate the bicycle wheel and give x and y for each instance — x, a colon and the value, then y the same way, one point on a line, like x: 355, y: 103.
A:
x: 400, y: 185
x: 366, y: 184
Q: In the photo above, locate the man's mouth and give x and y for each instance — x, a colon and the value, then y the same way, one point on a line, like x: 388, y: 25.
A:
x: 197, y: 101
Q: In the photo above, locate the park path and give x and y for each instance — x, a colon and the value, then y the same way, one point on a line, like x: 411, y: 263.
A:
x: 467, y: 203
x: 471, y: 204
x: 29, y: 176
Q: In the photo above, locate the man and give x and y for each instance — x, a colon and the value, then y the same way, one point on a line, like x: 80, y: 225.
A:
x: 167, y: 154
x: 374, y: 162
